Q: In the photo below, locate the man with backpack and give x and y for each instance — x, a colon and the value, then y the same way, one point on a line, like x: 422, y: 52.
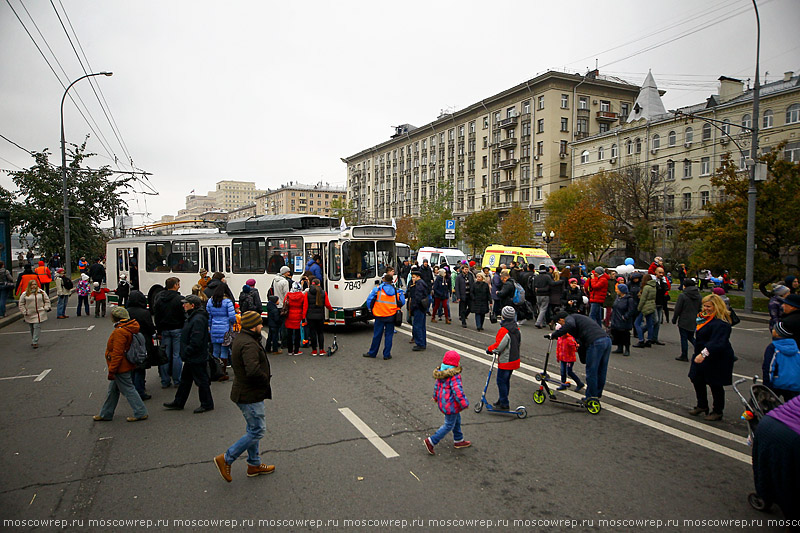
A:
x: 64, y: 288
x: 119, y: 369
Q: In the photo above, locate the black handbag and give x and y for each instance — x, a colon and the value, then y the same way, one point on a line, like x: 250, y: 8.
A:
x: 734, y: 318
x: 398, y: 315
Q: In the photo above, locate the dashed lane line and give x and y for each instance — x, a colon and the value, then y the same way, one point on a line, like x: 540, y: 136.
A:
x: 39, y: 377
x: 371, y: 436
x: 46, y: 331
x: 622, y: 412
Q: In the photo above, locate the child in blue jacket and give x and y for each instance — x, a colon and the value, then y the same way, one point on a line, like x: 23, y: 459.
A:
x: 274, y: 325
x: 449, y: 395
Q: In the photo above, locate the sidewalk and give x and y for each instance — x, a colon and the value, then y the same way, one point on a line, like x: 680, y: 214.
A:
x: 755, y: 316
x: 12, y: 309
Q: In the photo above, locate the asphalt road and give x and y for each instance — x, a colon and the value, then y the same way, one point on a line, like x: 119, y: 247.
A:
x: 641, y: 458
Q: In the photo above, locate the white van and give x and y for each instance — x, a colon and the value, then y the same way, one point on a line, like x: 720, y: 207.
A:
x: 436, y: 255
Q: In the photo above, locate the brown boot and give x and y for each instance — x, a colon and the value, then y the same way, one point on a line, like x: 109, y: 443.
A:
x: 433, y: 319
x: 224, y: 468
x: 446, y: 320
x: 253, y: 471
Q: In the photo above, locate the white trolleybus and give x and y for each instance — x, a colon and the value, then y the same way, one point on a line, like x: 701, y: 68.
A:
x: 353, y: 259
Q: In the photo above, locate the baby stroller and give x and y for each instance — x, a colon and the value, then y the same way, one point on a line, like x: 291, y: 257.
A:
x: 761, y: 401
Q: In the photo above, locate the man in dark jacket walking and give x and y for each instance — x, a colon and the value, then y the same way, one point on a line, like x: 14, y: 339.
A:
x: 137, y: 309
x: 97, y: 271
x: 662, y: 297
x: 541, y: 284
x: 685, y: 314
x: 169, y: 317
x: 465, y: 283
x: 592, y: 338
x: 419, y: 306
x: 505, y: 295
x: 251, y: 386
x: 426, y: 273
x: 195, y: 342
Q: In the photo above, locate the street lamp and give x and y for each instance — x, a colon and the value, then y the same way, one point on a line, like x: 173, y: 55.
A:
x: 548, y: 239
x: 67, y: 258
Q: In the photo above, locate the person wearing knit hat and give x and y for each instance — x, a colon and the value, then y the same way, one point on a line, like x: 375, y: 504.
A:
x: 62, y: 292
x: 120, y: 369
x: 251, y: 386
x: 98, y: 296
x: 594, y: 343
x: 448, y: 394
x: 506, y: 345
x: 623, y: 311
x: 597, y: 286
x: 685, y: 315
x: 297, y: 302
x: 83, y: 289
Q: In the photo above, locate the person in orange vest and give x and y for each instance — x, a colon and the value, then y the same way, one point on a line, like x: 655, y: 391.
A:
x: 45, y: 277
x: 83, y: 265
x: 383, y: 301
x: 24, y: 278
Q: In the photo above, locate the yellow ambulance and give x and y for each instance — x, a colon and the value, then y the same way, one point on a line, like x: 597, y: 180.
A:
x: 498, y: 254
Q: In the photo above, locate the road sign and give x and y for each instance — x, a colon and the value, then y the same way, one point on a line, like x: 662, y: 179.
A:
x: 450, y: 234
x: 450, y: 225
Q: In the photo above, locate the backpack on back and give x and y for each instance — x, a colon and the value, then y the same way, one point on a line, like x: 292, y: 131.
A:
x: 519, y: 293
x: 67, y: 283
x: 137, y: 353
x: 246, y: 302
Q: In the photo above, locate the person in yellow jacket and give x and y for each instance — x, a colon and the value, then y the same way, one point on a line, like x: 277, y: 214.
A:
x: 383, y: 301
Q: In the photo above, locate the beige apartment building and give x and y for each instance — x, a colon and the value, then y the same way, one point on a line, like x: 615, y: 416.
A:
x: 228, y: 196
x: 686, y: 149
x: 299, y: 198
x: 510, y: 149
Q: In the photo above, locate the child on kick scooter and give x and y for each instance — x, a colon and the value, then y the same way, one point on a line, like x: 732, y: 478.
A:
x: 507, y: 344
x: 566, y: 347
x: 449, y: 395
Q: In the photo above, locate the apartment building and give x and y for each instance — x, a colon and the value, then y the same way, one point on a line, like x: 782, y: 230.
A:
x: 296, y: 197
x: 686, y: 149
x: 510, y: 149
x: 228, y: 196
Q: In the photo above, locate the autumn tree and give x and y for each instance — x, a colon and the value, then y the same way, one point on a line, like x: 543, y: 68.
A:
x: 37, y: 205
x: 580, y: 224
x: 407, y: 231
x: 516, y: 229
x: 344, y: 208
x: 433, y: 214
x: 720, y: 237
x: 480, y: 230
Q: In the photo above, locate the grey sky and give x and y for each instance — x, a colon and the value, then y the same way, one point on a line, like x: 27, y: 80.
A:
x: 271, y: 92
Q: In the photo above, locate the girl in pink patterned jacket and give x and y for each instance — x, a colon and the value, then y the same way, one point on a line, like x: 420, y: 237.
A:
x: 449, y: 394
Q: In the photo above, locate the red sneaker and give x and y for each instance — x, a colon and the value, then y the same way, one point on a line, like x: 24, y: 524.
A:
x: 462, y: 444
x: 321, y: 353
x: 314, y: 353
x: 429, y: 446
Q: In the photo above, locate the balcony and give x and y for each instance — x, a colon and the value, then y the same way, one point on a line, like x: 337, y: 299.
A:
x: 524, y: 182
x: 583, y: 112
x: 504, y: 205
x: 507, y: 163
x: 581, y: 135
x: 510, y: 142
x: 607, y: 116
x: 525, y: 159
x: 507, y: 184
x: 509, y: 122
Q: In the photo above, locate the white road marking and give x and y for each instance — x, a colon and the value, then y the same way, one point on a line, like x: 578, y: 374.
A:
x: 371, y: 436
x: 90, y: 328
x: 46, y: 331
x: 627, y: 414
x: 39, y: 377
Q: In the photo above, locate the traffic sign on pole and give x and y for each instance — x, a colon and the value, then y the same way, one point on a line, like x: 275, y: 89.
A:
x: 450, y: 224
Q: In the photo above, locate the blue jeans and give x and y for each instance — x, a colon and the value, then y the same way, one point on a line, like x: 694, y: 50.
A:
x: 122, y: 384
x: 418, y: 328
x: 596, y: 366
x: 61, y: 307
x: 503, y: 386
x: 687, y: 336
x: 85, y: 301
x: 596, y: 313
x: 381, y: 325
x: 256, y: 427
x: 479, y: 318
x: 274, y: 339
x: 637, y: 325
x: 451, y: 423
x: 172, y: 343
x: 657, y: 316
x: 566, y: 370
x: 138, y: 377
x: 3, y: 298
x: 218, y: 350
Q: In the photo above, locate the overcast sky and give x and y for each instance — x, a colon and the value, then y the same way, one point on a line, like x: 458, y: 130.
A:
x: 270, y: 92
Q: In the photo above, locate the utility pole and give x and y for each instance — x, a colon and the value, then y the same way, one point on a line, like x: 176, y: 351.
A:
x: 751, y: 191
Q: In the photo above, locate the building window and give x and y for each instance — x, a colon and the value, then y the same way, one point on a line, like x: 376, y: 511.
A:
x: 583, y: 102
x: 638, y: 144
x: 540, y: 126
x: 600, y: 153
x: 585, y: 156
x: 793, y: 114
x: 537, y: 215
x: 628, y: 147
x: 670, y: 169
x: 562, y: 148
x: 564, y: 101
x: 486, y: 122
x: 562, y: 170
x: 613, y: 151
x: 511, y: 112
x: 670, y: 203
x: 538, y: 192
x: 688, y: 136
x: 706, y: 132
x: 705, y: 166
x: 726, y: 127
x: 582, y: 125
x: 792, y: 152
x: 540, y: 148
x: 623, y: 112
x: 471, y: 127
x: 539, y: 170
x: 671, y: 138
x: 747, y: 121
x: 767, y: 121
x: 563, y: 124
x: 704, y: 198
x: 540, y: 102
x: 687, y: 168
x: 687, y: 201
x: 526, y: 107
x: 605, y: 105
x: 604, y: 127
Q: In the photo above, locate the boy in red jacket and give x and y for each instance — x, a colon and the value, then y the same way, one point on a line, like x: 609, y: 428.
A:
x: 566, y: 348
x: 98, y: 296
x: 449, y: 395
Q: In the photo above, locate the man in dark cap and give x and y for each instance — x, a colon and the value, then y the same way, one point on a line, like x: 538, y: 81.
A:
x: 251, y: 386
x: 195, y: 341
x: 592, y: 338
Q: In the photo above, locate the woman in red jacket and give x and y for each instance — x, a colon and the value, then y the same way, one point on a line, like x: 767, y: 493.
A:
x: 297, y: 303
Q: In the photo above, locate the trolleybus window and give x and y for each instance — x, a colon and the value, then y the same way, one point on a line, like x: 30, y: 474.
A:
x: 282, y: 251
x: 227, y: 259
x: 334, y: 261
x: 156, y: 255
x: 359, y: 259
x: 249, y: 256
x: 185, y: 256
x: 386, y: 251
